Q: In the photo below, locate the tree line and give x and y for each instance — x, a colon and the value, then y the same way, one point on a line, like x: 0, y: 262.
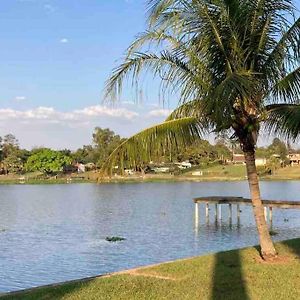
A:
x: 14, y: 159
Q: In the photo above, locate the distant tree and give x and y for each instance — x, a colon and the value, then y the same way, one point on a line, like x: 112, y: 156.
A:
x: 12, y: 157
x: 12, y: 164
x: 200, y: 152
x: 47, y: 161
x: 66, y: 152
x: 290, y: 148
x: 10, y: 139
x: 262, y: 152
x: 23, y: 154
x: 86, y: 154
x: 9, y: 145
x: 105, y: 141
x: 278, y: 147
x: 222, y: 151
x: 273, y: 164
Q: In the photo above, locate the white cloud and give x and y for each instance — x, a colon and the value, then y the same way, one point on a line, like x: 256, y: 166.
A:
x: 20, y: 98
x: 99, y: 110
x: 64, y: 40
x: 159, y: 113
x: 50, y: 127
x: 49, y: 114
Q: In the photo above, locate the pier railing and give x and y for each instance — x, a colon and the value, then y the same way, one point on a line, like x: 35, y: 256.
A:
x: 218, y: 201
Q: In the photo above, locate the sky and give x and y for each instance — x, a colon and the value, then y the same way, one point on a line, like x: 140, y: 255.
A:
x: 55, y: 57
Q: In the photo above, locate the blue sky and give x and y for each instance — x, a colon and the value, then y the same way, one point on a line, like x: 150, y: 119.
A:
x: 55, y: 56
x: 60, y: 52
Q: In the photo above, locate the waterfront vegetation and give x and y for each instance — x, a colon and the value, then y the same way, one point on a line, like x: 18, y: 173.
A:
x: 214, y: 161
x: 209, y: 173
x: 237, y: 274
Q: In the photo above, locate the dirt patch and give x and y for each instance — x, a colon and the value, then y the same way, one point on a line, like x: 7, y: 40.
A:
x: 277, y: 260
x: 153, y: 275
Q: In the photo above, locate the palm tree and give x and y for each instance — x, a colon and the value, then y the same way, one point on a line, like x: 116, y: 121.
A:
x: 235, y: 66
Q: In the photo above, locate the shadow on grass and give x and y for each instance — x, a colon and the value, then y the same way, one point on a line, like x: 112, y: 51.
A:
x: 56, y: 291
x: 293, y: 245
x: 228, y: 281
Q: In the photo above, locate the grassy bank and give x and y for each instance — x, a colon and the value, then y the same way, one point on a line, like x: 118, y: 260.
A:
x: 213, y: 173
x: 238, y: 274
x: 40, y: 178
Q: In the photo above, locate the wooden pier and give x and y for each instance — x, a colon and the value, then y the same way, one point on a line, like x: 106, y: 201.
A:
x: 219, y: 201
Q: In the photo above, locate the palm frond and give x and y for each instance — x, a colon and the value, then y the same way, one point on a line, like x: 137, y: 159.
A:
x: 144, y: 146
x: 152, y: 37
x: 158, y: 9
x: 175, y: 74
x: 192, y: 108
x: 287, y: 89
x: 283, y: 120
x: 285, y: 54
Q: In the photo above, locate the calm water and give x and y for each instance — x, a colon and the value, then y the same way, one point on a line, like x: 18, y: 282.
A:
x: 52, y: 233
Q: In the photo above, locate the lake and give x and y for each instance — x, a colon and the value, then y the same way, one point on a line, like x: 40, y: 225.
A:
x: 53, y: 233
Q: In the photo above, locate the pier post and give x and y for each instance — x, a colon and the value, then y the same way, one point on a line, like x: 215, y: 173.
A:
x: 266, y: 213
x: 207, y: 212
x: 238, y: 213
x: 271, y: 215
x: 230, y: 212
x: 196, y: 214
x: 216, y: 212
x: 220, y: 212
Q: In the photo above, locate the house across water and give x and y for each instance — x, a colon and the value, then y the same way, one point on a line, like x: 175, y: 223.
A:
x: 294, y: 159
x: 240, y: 159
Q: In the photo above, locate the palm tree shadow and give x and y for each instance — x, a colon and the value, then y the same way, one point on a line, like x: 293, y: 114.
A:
x: 54, y: 291
x: 228, y: 281
x: 293, y: 245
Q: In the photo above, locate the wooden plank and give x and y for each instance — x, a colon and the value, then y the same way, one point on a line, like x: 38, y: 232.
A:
x: 246, y: 201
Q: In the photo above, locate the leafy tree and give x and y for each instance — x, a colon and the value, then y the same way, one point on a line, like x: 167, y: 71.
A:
x: 12, y: 157
x: 262, y: 152
x: 9, y: 145
x: 105, y: 141
x: 235, y: 65
x: 273, y: 164
x: 278, y: 147
x: 13, y: 164
x: 47, y: 161
x: 223, y: 152
x: 66, y: 152
x: 85, y: 155
x: 201, y: 152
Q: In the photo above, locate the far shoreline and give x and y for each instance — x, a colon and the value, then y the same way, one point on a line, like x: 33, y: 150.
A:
x: 140, y: 179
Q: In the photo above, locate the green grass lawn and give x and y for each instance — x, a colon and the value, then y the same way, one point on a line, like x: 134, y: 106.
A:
x: 222, y: 171
x: 286, y: 173
x: 228, y: 170
x: 238, y: 274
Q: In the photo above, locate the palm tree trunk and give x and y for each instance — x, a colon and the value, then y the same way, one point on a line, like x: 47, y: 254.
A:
x: 267, y: 248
